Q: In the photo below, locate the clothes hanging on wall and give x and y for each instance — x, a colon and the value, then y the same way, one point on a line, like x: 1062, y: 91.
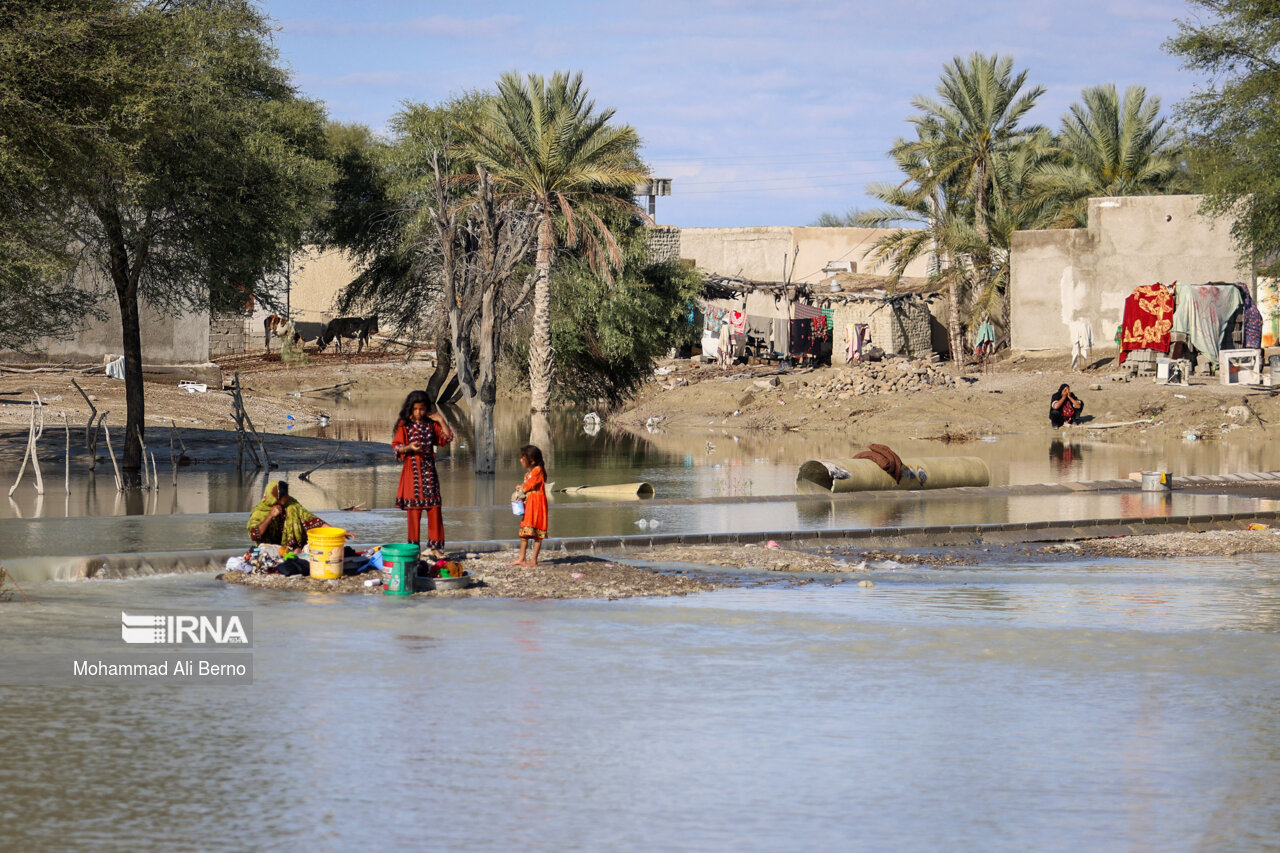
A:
x: 781, y: 336
x: 801, y: 338
x: 1202, y: 315
x: 1148, y: 319
x: 1081, y: 341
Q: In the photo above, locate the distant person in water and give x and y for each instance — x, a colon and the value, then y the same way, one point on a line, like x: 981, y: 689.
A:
x: 280, y: 520
x: 419, y: 431
x: 1064, y: 407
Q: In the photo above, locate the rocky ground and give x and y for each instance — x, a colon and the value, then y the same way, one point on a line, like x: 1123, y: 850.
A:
x: 1214, y: 543
x: 929, y: 400
x: 560, y: 577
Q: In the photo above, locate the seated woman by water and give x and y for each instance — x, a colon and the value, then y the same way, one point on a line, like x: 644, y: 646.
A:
x: 1064, y: 407
x: 280, y: 520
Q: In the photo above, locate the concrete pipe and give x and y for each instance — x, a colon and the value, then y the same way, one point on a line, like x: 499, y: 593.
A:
x: 863, y: 475
x: 619, y: 492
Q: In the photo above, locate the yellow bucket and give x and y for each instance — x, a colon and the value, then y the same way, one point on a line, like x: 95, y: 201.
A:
x: 325, y: 545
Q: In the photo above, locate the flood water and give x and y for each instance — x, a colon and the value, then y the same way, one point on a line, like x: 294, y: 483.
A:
x: 1061, y: 706
x: 710, y: 462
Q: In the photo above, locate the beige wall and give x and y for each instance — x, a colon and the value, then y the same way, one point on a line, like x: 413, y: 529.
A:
x: 1057, y: 277
x: 757, y: 253
x: 315, y: 279
x: 166, y: 339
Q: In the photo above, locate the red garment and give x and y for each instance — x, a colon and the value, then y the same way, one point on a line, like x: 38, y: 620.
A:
x: 1148, y: 318
x: 534, y: 523
x: 419, y: 485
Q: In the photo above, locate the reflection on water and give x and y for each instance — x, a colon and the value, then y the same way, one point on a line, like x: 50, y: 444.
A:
x: 714, y: 462
x: 1105, y: 705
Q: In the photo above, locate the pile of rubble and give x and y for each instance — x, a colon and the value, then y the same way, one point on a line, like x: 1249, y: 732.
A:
x: 884, y: 377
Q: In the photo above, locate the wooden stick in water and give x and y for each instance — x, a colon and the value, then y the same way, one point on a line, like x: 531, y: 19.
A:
x: 66, y: 426
x: 23, y: 469
x: 107, y: 432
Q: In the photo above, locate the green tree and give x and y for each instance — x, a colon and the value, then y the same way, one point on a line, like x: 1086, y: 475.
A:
x: 177, y: 154
x: 546, y: 145
x: 848, y: 219
x: 1108, y: 146
x: 1234, y: 118
x: 964, y: 179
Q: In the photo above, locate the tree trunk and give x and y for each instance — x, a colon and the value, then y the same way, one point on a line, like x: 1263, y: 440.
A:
x: 486, y: 450
x: 126, y: 285
x: 955, y: 334
x: 540, y: 352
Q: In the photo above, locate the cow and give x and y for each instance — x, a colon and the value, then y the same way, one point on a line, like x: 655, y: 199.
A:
x: 278, y: 326
x: 359, y: 328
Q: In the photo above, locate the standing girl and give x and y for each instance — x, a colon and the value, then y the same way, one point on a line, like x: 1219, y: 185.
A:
x: 534, y: 524
x: 419, y: 430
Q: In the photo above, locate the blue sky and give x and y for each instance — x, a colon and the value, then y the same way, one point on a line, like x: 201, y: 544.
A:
x: 763, y: 112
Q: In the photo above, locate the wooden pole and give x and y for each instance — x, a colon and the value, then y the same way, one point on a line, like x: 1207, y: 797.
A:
x: 66, y: 472
x: 119, y: 484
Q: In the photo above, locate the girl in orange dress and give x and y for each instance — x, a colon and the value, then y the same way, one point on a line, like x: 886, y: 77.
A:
x: 419, y: 431
x: 534, y: 524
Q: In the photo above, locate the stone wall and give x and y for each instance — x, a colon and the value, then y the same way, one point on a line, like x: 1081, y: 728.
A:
x: 227, y: 334
x: 664, y: 243
x: 904, y: 328
x: 1066, y: 276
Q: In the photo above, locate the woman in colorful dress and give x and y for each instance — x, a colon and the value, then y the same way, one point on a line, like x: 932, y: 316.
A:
x: 1064, y: 407
x: 534, y: 490
x: 280, y: 520
x: 419, y: 431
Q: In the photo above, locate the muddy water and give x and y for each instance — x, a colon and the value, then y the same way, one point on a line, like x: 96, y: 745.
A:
x: 1097, y: 705
x: 714, y: 461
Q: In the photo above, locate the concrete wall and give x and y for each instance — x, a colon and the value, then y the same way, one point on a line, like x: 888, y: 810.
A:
x: 315, y: 280
x: 1057, y: 277
x: 757, y: 253
x: 166, y: 339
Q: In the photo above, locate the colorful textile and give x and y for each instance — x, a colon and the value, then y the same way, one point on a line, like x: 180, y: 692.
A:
x: 1203, y: 314
x: 1269, y: 308
x: 1148, y: 319
x: 289, y: 528
x: 800, y: 339
x: 738, y: 322
x: 1252, y: 318
x: 534, y: 523
x: 419, y: 486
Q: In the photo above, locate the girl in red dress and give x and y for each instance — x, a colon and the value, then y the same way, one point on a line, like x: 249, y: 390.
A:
x: 419, y: 431
x: 534, y: 524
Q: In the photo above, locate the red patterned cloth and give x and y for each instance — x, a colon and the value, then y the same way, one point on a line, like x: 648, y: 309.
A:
x: 1148, y: 317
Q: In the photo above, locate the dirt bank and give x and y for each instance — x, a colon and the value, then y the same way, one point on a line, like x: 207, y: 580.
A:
x: 561, y: 577
x: 931, y: 401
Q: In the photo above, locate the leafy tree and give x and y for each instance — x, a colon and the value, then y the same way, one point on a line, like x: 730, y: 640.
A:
x: 545, y: 144
x: 848, y: 219
x: 1234, y: 118
x: 1109, y: 146
x: 169, y: 145
x: 965, y: 172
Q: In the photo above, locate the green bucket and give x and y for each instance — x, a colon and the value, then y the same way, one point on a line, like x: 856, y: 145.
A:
x: 401, y: 561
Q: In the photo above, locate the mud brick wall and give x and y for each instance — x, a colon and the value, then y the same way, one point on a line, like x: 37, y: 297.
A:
x: 664, y: 243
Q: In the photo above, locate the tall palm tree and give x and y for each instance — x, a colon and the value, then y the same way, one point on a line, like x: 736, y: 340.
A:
x: 972, y: 129
x: 544, y: 142
x: 1109, y: 147
x: 964, y: 177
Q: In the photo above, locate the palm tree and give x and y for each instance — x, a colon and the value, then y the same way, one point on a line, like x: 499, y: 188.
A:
x: 964, y: 174
x: 971, y: 131
x: 544, y: 143
x: 1109, y: 147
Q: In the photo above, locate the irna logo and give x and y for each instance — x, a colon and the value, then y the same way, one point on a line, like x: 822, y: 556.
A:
x: 185, y: 629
